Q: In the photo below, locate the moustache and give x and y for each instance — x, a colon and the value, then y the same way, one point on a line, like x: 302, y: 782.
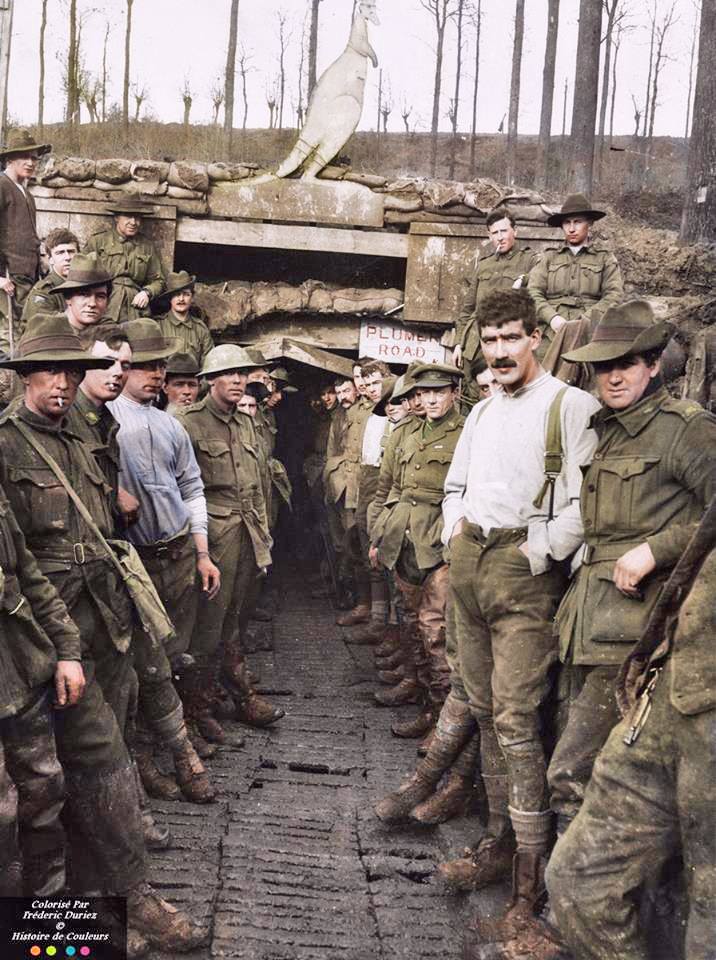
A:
x: 503, y: 365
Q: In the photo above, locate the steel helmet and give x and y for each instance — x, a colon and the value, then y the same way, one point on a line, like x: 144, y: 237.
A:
x: 228, y: 356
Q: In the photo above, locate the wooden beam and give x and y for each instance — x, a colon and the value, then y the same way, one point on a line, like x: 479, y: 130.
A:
x: 96, y: 208
x: 284, y: 237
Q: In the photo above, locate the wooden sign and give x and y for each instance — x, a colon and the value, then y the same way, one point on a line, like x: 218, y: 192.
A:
x: 396, y: 343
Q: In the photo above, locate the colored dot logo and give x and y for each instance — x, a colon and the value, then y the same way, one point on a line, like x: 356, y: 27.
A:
x: 51, y: 951
x: 35, y: 951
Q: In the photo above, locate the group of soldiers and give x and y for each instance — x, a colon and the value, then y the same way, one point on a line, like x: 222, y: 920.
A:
x: 524, y: 535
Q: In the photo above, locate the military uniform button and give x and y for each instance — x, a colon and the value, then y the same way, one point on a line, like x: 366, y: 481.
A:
x: 591, y: 488
x: 417, y: 466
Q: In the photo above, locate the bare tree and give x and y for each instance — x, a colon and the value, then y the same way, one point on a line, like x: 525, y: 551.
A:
x: 698, y: 222
x: 475, y: 14
x: 300, y: 108
x: 244, y: 69
x: 41, y: 89
x: 405, y: 112
x: 515, y: 90
x: 616, y: 43
x: 217, y: 98
x: 72, y: 106
x: 455, y: 103
x: 564, y: 107
x: 313, y: 46
x: 380, y: 100
x: 545, y: 120
x: 660, y: 58
x: 586, y: 91
x: 140, y: 95
x: 90, y: 91
x: 613, y: 12
x: 694, y: 40
x: 441, y: 11
x: 386, y: 110
x: 637, y: 117
x: 230, y: 74
x: 283, y: 39
x: 187, y: 100
x: 125, y: 87
x: 104, y: 72
x: 272, y: 101
x: 652, y: 17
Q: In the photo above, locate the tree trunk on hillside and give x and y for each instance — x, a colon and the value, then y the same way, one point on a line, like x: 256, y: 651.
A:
x: 41, y: 90
x: 230, y: 76
x: 617, y: 44
x: 659, y: 59
x: 545, y: 120
x: 441, y: 11
x: 6, y: 13
x: 458, y: 77
x: 652, y: 16
x: 612, y: 8
x: 125, y: 88
x: 243, y: 70
x: 313, y: 47
x: 283, y: 42
x: 515, y: 91
x: 586, y: 92
x: 698, y: 223
x: 477, y: 22
x: 694, y: 38
x: 104, y: 73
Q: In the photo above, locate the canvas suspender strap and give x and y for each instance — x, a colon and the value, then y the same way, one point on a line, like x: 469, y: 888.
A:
x: 73, y: 495
x: 553, y: 459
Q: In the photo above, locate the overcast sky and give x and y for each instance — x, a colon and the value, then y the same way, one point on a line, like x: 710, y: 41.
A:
x: 177, y: 39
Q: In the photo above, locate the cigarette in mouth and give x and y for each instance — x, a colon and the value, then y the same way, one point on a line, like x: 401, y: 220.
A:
x: 60, y: 402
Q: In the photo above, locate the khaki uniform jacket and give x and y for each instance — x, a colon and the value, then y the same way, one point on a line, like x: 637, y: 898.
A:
x: 98, y: 428
x: 386, y: 477
x: 652, y: 475
x: 134, y: 265
x: 413, y: 507
x: 498, y: 271
x: 574, y: 285
x: 341, y: 476
x: 66, y: 549
x: 35, y: 628
x: 192, y: 333
x: 41, y: 299
x: 227, y: 452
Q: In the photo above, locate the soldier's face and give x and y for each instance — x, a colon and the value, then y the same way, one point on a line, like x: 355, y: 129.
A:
x: 436, y: 401
x: 247, y: 404
x: 486, y: 384
x: 103, y: 385
x: 182, y: 391
x: 358, y: 381
x: 396, y: 412
x: 145, y: 380
x: 61, y: 257
x: 622, y: 382
x: 415, y: 403
x: 502, y: 235
x: 510, y: 353
x: 260, y: 375
x: 128, y: 226
x: 228, y: 388
x: 328, y: 399
x: 50, y: 392
x: 373, y: 386
x: 22, y: 166
x: 87, y: 307
x: 576, y: 230
x: 346, y: 393
x: 181, y: 301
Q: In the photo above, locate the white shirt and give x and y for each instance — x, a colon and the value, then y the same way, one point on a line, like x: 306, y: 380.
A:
x: 372, y: 450
x: 497, y: 469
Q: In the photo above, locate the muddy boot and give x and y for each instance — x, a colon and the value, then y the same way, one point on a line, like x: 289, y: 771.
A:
x: 251, y: 709
x: 391, y: 661
x: 197, y: 692
x: 391, y: 677
x: 416, y: 728
x: 407, y: 691
x: 191, y: 773
x: 426, y: 743
x: 203, y: 748
x: 165, y: 927
x: 455, y: 796
x: 137, y: 945
x: 361, y: 611
x: 390, y: 642
x: 155, y: 837
x: 454, y: 727
x: 158, y: 785
x: 372, y: 633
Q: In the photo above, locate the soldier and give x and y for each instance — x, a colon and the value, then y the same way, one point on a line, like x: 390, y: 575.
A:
x: 181, y: 382
x: 225, y: 444
x: 159, y: 705
x: 651, y: 793
x: 87, y: 290
x: 19, y: 243
x: 406, y: 538
x: 505, y: 268
x: 652, y: 475
x: 511, y: 518
x: 61, y: 246
x: 38, y: 449
x: 39, y: 654
x: 131, y: 259
x: 179, y: 319
x: 572, y: 285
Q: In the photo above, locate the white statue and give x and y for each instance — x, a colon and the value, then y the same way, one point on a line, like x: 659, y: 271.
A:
x: 337, y: 101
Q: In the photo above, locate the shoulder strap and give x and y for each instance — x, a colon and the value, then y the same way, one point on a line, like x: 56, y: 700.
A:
x: 73, y: 495
x: 553, y: 459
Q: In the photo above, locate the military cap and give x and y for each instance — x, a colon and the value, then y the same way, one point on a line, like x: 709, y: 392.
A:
x: 436, y: 375
x: 176, y: 282
x: 85, y: 271
x: 227, y: 356
x: 280, y: 376
x: 405, y: 384
x: 386, y: 395
x: 131, y: 207
x: 623, y: 331
x: 184, y: 364
x: 49, y: 339
x: 576, y: 205
x: 22, y: 141
x: 147, y: 341
x: 257, y: 357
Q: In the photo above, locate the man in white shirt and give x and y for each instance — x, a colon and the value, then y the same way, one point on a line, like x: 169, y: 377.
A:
x: 512, y: 527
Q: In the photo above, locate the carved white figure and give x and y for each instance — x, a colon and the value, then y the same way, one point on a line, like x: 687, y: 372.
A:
x: 337, y: 101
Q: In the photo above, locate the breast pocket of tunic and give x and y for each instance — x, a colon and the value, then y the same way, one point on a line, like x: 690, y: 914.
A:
x: 433, y: 472
x: 140, y: 266
x: 623, y: 488
x: 590, y: 279
x: 216, y: 464
x: 44, y: 498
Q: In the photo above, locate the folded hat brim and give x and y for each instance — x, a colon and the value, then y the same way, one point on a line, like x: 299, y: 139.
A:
x: 40, y: 148
x: 76, y: 358
x: 557, y: 219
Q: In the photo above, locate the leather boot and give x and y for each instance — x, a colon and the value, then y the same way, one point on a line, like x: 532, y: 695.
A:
x: 487, y: 863
x: 361, y: 611
x: 426, y: 743
x: 407, y: 691
x: 197, y: 692
x: 391, y: 677
x: 417, y: 727
x: 372, y: 633
x: 191, y: 774
x: 158, y: 785
x: 203, y: 748
x: 155, y: 837
x: 391, y: 661
x: 165, y: 927
x: 390, y: 642
x: 454, y: 797
x: 250, y: 707
x: 137, y: 945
